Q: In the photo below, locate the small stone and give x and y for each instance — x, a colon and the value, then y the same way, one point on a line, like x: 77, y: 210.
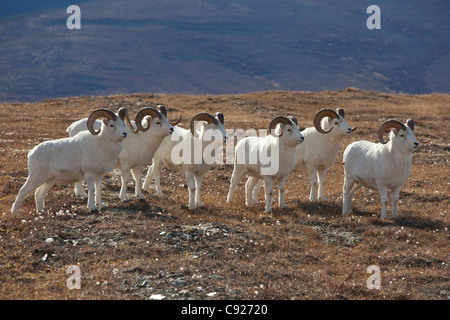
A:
x: 179, y: 282
x: 144, y: 283
x: 184, y: 293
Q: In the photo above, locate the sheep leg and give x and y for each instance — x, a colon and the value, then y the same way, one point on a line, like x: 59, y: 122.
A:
x: 249, y: 188
x: 90, y: 181
x: 98, y: 192
x: 190, y: 182
x: 355, y: 187
x: 154, y: 171
x: 28, y: 187
x: 159, y: 191
x: 395, y: 196
x: 268, y: 186
x: 238, y: 174
x: 137, y: 174
x: 40, y: 193
x: 256, y: 190
x: 384, y: 200
x: 281, y: 184
x: 347, y: 195
x: 125, y: 173
x: 312, y: 173
x: 149, y: 177
x: 79, y: 192
x: 321, y: 177
x: 198, y: 188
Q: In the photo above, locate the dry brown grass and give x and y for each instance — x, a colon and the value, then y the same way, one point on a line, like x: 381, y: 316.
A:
x: 308, y: 251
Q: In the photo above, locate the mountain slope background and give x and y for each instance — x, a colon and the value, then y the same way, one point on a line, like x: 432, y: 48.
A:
x: 221, y: 47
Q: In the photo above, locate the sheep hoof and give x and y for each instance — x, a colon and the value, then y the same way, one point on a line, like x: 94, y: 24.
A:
x: 94, y: 211
x: 344, y: 213
x: 101, y: 206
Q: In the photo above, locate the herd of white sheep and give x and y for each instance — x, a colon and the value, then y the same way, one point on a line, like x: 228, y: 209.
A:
x: 95, y: 147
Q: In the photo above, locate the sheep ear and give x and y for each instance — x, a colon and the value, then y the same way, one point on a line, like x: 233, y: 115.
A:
x: 105, y: 121
x: 395, y: 131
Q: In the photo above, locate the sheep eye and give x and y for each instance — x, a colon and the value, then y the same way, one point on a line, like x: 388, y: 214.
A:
x: 402, y: 135
x: 336, y: 123
x: 158, y: 123
x: 112, y: 126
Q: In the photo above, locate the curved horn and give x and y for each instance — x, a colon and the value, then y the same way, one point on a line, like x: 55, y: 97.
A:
x: 97, y: 113
x: 219, y: 115
x: 341, y: 112
x: 277, y: 120
x: 163, y: 110
x: 123, y: 114
x: 146, y: 111
x: 386, y: 126
x: 173, y: 124
x: 322, y: 114
x: 203, y: 116
x: 422, y: 141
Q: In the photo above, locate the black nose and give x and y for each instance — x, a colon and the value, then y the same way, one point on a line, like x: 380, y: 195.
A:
x: 225, y: 139
x: 124, y: 134
x: 416, y: 144
x: 303, y: 138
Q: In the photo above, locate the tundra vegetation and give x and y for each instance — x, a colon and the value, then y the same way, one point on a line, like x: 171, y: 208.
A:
x: 157, y: 247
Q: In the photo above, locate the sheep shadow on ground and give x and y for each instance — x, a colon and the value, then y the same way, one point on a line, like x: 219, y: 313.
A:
x: 327, y: 209
x: 414, y: 222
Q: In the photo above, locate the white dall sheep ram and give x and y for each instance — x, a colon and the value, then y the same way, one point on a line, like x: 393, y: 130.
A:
x: 250, y: 152
x: 88, y: 155
x: 193, y: 162
x: 320, y: 149
x: 138, y: 150
x: 380, y: 166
